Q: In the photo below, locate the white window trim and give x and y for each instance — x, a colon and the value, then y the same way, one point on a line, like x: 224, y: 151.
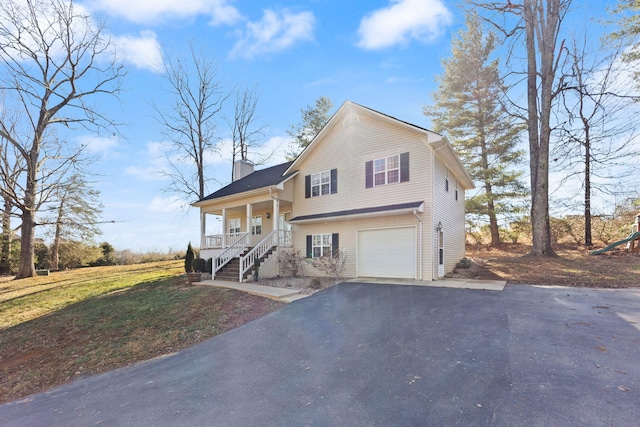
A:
x: 321, y: 246
x: 232, y: 222
x: 386, y: 170
x: 255, y: 225
x: 318, y: 177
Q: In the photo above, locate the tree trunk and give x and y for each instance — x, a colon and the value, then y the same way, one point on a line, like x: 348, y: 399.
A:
x: 5, y: 251
x: 539, y: 125
x: 26, y: 267
x: 587, y: 189
x: 55, y: 246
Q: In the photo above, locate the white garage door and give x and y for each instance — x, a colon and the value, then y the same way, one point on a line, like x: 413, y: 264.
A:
x: 389, y: 252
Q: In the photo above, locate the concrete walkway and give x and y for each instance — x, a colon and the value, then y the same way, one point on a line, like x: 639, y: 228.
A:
x: 278, y: 294
x: 290, y: 295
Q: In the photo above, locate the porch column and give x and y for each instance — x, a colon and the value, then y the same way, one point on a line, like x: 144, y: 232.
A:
x: 249, y: 215
x: 203, y: 228
x: 224, y: 228
x: 276, y: 219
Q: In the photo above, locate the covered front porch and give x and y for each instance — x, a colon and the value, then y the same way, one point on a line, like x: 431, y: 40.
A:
x: 245, y: 233
x: 251, y: 222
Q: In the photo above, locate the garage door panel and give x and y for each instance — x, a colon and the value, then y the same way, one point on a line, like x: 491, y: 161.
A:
x: 389, y: 253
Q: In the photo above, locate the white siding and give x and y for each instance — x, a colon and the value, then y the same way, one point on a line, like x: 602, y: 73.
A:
x: 347, y: 231
x: 451, y: 213
x: 347, y: 149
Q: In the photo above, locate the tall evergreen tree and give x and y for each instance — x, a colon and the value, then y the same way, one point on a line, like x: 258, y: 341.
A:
x: 313, y: 120
x: 467, y: 108
x: 628, y: 18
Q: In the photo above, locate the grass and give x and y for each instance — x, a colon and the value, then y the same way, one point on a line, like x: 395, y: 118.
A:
x: 61, y: 327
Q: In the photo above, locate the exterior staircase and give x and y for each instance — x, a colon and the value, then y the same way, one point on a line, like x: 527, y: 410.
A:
x: 231, y: 271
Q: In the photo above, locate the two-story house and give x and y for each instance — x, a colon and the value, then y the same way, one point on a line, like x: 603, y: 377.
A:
x: 389, y: 195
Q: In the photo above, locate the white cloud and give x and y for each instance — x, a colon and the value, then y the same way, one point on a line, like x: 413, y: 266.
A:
x: 274, y: 32
x: 403, y: 21
x: 143, y: 51
x: 98, y: 144
x: 145, y: 11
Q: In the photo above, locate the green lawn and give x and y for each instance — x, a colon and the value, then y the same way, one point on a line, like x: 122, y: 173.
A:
x: 61, y: 327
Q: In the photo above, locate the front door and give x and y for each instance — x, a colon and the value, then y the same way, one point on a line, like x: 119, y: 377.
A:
x: 440, y: 253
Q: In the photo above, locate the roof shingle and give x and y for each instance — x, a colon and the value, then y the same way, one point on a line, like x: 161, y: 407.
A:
x: 259, y: 179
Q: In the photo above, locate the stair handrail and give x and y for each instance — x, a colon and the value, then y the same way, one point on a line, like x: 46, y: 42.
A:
x: 247, y: 261
x: 231, y: 252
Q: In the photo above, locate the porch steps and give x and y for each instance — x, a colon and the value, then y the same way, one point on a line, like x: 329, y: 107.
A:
x: 231, y: 270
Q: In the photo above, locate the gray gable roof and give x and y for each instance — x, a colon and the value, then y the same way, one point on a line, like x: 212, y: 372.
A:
x: 259, y: 179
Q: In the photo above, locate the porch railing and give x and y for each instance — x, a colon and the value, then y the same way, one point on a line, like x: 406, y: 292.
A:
x: 231, y: 252
x: 247, y: 261
x: 216, y: 241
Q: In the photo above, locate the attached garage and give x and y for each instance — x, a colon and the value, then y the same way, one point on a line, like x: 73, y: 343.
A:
x: 387, y: 253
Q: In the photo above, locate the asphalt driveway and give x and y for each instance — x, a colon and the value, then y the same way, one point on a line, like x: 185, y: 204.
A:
x: 384, y: 355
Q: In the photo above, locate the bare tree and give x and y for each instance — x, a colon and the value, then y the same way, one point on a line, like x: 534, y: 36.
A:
x: 538, y: 24
x: 245, y: 134
x: 11, y: 167
x: 597, y: 137
x: 54, y: 59
x: 75, y: 214
x: 190, y: 124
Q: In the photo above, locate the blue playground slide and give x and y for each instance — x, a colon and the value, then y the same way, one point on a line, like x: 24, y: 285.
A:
x: 631, y: 237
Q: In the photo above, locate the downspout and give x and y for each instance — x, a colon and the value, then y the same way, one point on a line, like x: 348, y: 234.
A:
x: 415, y: 212
x: 276, y: 227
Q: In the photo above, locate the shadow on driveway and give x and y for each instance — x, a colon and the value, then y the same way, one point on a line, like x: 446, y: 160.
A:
x: 383, y: 355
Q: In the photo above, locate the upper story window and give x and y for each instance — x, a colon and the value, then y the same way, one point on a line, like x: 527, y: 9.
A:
x: 234, y: 225
x: 456, y: 189
x: 446, y: 180
x: 321, y: 183
x: 387, y: 170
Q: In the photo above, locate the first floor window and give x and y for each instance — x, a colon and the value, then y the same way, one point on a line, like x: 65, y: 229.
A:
x: 256, y: 225
x: 234, y: 226
x: 321, y: 245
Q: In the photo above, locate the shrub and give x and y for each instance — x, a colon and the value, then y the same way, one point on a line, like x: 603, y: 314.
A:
x: 332, y: 265
x: 290, y: 262
x: 188, y: 259
x: 316, y: 283
x: 464, y: 263
x: 199, y: 265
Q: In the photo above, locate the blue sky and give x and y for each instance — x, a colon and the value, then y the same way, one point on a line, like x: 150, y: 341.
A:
x: 383, y: 54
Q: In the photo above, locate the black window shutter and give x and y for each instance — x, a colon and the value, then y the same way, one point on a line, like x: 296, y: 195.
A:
x: 335, y: 244
x: 307, y: 186
x: 334, y: 181
x: 404, y: 167
x: 309, y: 246
x: 368, y: 174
